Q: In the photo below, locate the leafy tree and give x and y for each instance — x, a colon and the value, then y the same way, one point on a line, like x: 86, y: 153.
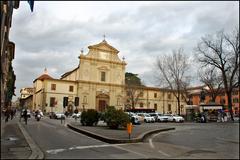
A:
x: 115, y: 118
x: 89, y: 117
x: 10, y: 85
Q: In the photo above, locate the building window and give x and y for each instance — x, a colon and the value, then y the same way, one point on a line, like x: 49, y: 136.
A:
x: 141, y: 105
x: 85, y: 99
x: 222, y: 101
x: 235, y: 100
x: 155, y: 106
x: 70, y: 88
x: 52, y: 101
x: 103, y: 76
x: 169, y: 96
x: 53, y: 87
x: 141, y: 94
x: 155, y: 95
x: 169, y: 107
x: 235, y: 93
x: 118, y: 102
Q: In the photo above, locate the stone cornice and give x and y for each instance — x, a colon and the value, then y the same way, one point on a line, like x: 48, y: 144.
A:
x: 100, y: 83
x: 101, y: 60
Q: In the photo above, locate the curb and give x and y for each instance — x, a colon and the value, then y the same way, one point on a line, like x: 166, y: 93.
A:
x: 140, y: 138
x: 36, y: 152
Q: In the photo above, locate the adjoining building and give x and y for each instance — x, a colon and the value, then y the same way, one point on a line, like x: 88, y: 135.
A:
x: 208, y: 105
x: 26, y: 97
x: 98, y: 81
x: 7, y: 53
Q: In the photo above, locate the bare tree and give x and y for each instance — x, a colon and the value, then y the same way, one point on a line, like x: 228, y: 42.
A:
x: 222, y: 52
x: 133, y: 95
x: 212, y: 79
x: 134, y: 88
x: 172, y: 71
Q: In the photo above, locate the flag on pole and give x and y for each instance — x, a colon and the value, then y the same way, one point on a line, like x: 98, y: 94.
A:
x: 31, y: 3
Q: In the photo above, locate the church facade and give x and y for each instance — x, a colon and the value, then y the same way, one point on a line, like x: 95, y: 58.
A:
x: 98, y: 81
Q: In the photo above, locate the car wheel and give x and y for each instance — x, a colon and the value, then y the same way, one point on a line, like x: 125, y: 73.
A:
x: 174, y: 120
x: 145, y: 120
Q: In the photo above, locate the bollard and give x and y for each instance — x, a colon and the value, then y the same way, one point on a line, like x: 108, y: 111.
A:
x: 129, y: 129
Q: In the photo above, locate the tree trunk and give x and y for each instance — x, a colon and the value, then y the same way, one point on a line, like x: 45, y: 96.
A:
x: 229, y: 97
x: 178, y: 101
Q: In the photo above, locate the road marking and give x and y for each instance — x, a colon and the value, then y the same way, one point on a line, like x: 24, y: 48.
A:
x: 55, y: 151
x: 165, y: 154
x: 128, y: 150
x: 152, y: 145
x: 227, y: 140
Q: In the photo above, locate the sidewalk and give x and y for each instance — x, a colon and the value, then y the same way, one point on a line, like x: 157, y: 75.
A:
x: 103, y: 133
x: 13, y: 142
x: 16, y: 142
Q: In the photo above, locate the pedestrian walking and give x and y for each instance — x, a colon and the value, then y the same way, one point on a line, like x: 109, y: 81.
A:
x: 224, y: 117
x: 7, y: 114
x: 21, y: 115
x: 12, y: 113
x: 25, y: 116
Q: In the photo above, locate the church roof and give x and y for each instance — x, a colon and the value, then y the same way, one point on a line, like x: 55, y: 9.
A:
x: 43, y: 77
x: 67, y: 73
x: 103, y: 46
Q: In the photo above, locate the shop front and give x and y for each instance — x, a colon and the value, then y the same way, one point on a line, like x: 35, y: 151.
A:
x: 213, y: 113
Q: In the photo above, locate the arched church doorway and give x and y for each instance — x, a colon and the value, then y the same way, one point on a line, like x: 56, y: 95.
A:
x: 102, y: 101
x: 70, y: 108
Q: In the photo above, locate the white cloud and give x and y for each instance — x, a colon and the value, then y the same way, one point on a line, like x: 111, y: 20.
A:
x: 53, y: 35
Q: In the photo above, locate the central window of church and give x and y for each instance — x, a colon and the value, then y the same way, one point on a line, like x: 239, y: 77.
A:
x: 103, y: 76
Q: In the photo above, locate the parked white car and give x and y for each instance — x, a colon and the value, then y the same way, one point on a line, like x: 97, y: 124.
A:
x: 60, y: 115
x: 162, y: 118
x: 134, y: 117
x: 169, y: 116
x: 148, y: 118
x: 76, y: 115
x: 177, y: 118
x: 174, y: 118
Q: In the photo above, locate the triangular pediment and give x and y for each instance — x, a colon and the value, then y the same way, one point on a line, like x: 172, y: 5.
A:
x: 103, y: 46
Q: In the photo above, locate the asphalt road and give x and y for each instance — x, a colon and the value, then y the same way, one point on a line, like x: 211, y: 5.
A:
x: 59, y: 142
x: 199, y: 140
x: 189, y: 140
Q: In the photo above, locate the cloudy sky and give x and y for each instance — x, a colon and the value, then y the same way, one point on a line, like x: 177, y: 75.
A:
x: 54, y: 33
